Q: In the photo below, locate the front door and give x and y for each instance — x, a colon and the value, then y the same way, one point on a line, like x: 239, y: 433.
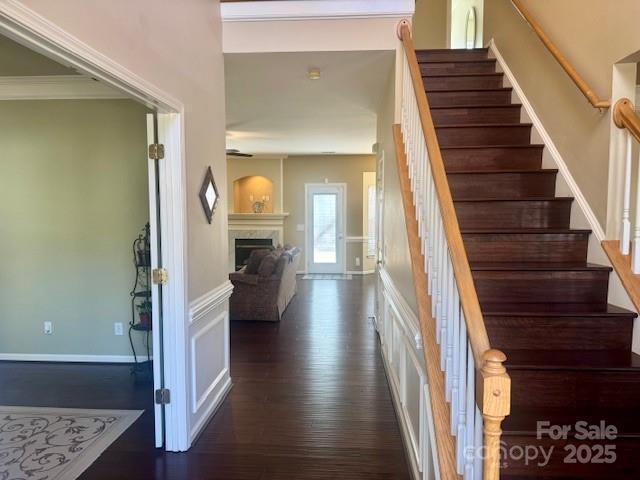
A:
x: 325, y: 228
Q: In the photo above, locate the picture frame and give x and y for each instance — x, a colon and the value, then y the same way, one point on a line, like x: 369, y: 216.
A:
x: 209, y: 195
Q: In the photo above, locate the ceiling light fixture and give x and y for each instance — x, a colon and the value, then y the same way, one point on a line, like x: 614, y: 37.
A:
x: 314, y: 74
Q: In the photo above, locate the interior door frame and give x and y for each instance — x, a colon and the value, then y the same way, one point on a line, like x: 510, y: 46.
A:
x: 342, y: 239
x: 33, y: 31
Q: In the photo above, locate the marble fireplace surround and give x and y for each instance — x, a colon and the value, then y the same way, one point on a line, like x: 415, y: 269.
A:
x: 254, y: 225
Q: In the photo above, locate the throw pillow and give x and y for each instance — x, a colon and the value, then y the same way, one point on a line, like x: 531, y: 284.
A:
x: 268, y: 265
x: 255, y: 259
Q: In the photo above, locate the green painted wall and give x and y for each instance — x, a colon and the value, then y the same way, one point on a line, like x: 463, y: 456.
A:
x: 73, y: 196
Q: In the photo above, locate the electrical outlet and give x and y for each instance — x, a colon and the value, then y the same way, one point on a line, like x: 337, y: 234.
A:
x: 357, y: 261
x: 300, y: 227
x: 118, y: 328
x: 48, y: 328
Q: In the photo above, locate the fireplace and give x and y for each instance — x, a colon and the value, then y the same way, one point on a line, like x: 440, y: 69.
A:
x: 244, y: 247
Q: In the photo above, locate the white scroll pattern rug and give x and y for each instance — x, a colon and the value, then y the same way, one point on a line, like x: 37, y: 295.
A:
x: 39, y: 443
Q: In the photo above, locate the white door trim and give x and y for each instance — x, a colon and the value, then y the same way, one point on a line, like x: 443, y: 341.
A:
x: 34, y: 31
x: 309, y: 229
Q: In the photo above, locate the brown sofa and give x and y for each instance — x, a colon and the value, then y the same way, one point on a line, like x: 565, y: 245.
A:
x: 265, y: 286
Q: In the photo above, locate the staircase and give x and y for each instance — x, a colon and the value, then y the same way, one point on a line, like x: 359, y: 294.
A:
x: 569, y: 352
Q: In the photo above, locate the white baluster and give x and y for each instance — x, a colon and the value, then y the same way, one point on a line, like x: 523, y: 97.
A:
x: 477, y: 463
x: 460, y: 398
x: 453, y: 354
x: 444, y: 310
x: 625, y: 231
x: 470, y: 408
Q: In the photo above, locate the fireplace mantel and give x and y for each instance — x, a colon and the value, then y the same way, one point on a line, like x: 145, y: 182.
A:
x: 244, y: 217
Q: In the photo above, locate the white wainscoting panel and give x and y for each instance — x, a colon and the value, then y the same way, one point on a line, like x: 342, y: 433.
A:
x: 210, y: 378
x: 399, y: 332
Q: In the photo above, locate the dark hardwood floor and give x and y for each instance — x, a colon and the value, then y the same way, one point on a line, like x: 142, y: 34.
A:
x: 310, y: 400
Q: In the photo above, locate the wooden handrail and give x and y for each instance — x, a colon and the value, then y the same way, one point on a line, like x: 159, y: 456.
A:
x: 625, y: 116
x: 493, y: 393
x: 580, y: 82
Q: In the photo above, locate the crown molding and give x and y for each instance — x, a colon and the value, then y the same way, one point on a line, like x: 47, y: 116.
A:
x: 314, y: 10
x: 55, y: 87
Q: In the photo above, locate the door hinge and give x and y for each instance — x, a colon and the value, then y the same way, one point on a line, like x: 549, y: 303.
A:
x: 160, y: 276
x: 163, y: 396
x: 156, y: 151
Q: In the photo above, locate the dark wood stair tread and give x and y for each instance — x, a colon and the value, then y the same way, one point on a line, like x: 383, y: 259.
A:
x: 461, y: 60
x: 482, y: 74
x: 524, y: 421
x: 537, y: 199
x: 480, y: 106
x: 485, y: 125
x: 555, y: 309
x: 476, y: 147
x: 471, y: 90
x: 453, y: 50
x: 576, y: 360
x: 499, y: 171
x: 532, y: 266
x: 523, y: 230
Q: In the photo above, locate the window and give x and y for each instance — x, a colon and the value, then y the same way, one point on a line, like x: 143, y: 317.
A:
x: 371, y: 221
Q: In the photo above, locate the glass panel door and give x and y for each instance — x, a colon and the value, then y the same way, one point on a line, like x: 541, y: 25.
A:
x: 325, y: 233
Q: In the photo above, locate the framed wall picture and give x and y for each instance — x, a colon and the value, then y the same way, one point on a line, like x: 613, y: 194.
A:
x: 209, y: 195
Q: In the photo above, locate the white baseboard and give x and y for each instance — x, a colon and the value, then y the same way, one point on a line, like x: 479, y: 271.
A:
x: 360, y: 272
x: 211, y: 410
x: 59, y: 357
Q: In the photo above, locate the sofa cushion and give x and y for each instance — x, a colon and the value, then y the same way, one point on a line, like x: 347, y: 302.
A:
x: 255, y: 259
x: 268, y: 264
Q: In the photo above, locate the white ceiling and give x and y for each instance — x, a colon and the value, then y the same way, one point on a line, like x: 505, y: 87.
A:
x: 272, y: 107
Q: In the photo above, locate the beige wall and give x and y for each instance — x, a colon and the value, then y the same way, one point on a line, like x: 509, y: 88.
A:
x: 430, y: 24
x: 177, y: 46
x: 593, y: 35
x: 299, y: 170
x: 268, y: 167
x: 73, y: 197
x: 368, y: 181
x: 397, y: 261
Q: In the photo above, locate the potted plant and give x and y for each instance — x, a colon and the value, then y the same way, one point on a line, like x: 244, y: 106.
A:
x: 144, y: 313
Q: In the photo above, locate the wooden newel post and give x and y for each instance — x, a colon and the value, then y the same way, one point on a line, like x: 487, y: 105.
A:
x: 494, y: 399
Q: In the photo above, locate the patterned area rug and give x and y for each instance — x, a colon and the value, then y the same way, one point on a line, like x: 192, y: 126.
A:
x: 56, y: 443
x: 326, y: 276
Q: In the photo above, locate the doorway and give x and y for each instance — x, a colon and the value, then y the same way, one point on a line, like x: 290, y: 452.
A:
x: 326, y: 212
x: 166, y: 218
